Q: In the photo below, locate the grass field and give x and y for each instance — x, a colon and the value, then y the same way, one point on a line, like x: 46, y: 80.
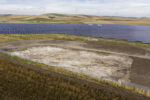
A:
x: 72, y: 19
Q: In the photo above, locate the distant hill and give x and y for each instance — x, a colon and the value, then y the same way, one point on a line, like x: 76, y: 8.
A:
x: 72, y: 19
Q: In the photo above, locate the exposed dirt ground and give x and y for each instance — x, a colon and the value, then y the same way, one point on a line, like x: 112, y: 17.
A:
x: 122, y: 49
x: 95, y: 64
x: 140, y: 71
x: 141, y: 57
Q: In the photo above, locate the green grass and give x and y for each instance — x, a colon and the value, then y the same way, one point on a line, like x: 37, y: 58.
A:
x: 17, y: 37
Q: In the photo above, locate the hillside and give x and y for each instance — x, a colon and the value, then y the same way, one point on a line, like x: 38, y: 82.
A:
x: 72, y: 19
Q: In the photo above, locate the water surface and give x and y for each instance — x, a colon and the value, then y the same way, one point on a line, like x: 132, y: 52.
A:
x: 116, y: 31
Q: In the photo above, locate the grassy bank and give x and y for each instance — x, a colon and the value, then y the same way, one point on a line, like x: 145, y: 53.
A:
x: 17, y: 37
x: 21, y: 82
x: 113, y: 85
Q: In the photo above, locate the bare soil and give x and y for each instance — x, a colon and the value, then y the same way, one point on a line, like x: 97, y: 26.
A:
x: 116, y: 48
x: 94, y: 64
x: 140, y: 71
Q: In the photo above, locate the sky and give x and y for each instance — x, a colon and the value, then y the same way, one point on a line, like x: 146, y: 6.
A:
x: 126, y: 8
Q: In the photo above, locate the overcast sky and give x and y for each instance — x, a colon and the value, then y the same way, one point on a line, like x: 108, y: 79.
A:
x: 127, y: 8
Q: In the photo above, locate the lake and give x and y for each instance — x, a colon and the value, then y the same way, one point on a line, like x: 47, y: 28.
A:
x: 115, y: 31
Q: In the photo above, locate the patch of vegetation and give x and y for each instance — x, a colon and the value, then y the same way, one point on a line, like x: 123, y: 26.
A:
x: 137, y: 44
x: 17, y: 37
x: 116, y: 86
x: 19, y: 82
x: 21, y: 19
x: 37, y: 19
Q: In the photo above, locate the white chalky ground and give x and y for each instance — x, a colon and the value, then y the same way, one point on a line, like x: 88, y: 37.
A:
x: 85, y: 62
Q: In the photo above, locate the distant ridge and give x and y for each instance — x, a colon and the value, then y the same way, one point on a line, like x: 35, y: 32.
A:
x: 54, y: 18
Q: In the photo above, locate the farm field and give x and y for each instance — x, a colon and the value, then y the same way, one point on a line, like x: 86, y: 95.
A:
x: 53, y: 18
x: 18, y: 72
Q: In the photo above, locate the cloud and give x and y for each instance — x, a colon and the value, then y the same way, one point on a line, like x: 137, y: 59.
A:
x: 138, y: 8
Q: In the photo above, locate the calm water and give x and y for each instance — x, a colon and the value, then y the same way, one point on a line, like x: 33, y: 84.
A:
x: 119, y: 32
